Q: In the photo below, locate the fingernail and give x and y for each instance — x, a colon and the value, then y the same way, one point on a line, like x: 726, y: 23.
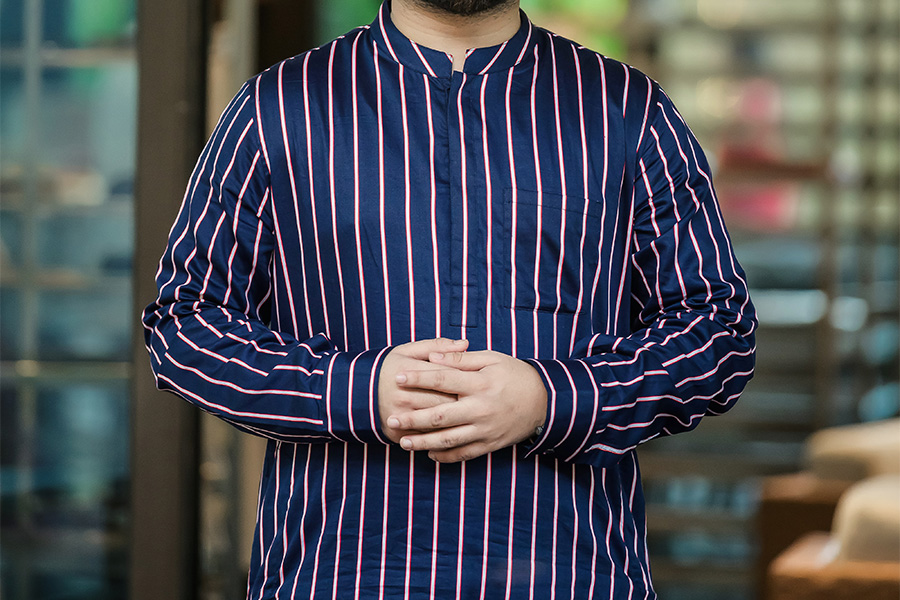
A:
x: 460, y: 342
x: 437, y: 355
x: 401, y: 378
x: 407, y: 444
x: 394, y: 422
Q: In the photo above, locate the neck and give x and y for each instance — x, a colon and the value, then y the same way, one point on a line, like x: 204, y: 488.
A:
x: 454, y: 34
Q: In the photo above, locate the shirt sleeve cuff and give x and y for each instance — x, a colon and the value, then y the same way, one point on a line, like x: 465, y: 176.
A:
x: 571, y: 416
x: 351, y: 396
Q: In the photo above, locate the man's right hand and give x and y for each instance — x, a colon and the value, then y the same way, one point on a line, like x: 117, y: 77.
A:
x: 413, y: 356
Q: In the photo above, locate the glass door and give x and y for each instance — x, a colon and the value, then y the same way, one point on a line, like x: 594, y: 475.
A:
x: 68, y: 90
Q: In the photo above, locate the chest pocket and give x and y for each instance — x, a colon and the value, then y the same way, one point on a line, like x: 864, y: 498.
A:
x: 551, y: 250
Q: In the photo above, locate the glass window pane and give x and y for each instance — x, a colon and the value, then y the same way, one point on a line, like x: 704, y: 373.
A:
x: 68, y: 92
x: 90, y: 324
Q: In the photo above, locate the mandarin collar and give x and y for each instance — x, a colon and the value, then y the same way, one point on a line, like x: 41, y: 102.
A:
x: 403, y: 50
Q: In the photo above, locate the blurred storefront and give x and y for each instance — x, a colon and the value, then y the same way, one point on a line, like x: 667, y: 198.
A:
x: 111, y: 490
x: 68, y: 96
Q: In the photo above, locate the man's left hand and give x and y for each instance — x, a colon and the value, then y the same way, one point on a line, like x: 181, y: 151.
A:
x: 501, y: 402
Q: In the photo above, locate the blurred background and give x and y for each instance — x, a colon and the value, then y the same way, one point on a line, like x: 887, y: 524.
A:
x: 109, y: 490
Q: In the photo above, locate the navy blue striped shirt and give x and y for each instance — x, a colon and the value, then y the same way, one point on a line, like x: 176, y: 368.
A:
x: 546, y: 202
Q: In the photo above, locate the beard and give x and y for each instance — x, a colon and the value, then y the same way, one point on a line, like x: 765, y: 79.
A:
x: 465, y: 8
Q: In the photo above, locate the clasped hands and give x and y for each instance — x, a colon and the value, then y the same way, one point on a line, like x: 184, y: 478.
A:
x: 435, y: 396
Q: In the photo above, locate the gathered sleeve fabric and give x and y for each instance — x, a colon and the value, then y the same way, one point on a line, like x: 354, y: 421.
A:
x: 690, y: 349
x: 208, y: 331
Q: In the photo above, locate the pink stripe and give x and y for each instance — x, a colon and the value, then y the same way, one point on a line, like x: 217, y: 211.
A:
x: 594, y: 411
x: 281, y: 252
x: 372, y: 395
x: 534, y: 507
x: 646, y: 111
x: 665, y: 165
x: 612, y: 324
x: 645, y: 575
x: 574, y: 408
x: 254, y: 260
x: 435, y: 523
x: 553, y: 553
x: 409, y: 524
x: 709, y: 229
x: 312, y: 197
x: 299, y: 368
x: 697, y: 351
x: 258, y: 348
x: 512, y: 517
x: 585, y: 193
x: 593, y: 537
x: 384, y: 33
x: 551, y: 401
x: 433, y: 182
x: 564, y: 207
x: 462, y: 524
x: 612, y: 563
x: 356, y: 199
x: 711, y: 372
x: 284, y: 531
x: 465, y: 206
x: 340, y: 525
x: 277, y: 460
x: 201, y: 295
x: 487, y: 525
x: 384, y: 519
x: 324, y: 522
x: 262, y: 392
x: 514, y: 208
x: 626, y: 568
x: 488, y: 207
x: 218, y: 357
x: 494, y: 59
x: 334, y: 227
x: 302, y: 524
x: 259, y: 127
x: 234, y: 227
x: 349, y: 400
x: 190, y: 193
x: 422, y: 58
x: 540, y: 193
x: 381, y: 198
x: 407, y: 208
x: 362, y: 520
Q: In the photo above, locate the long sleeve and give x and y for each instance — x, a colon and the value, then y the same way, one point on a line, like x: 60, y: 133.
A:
x: 208, y: 333
x: 691, y: 348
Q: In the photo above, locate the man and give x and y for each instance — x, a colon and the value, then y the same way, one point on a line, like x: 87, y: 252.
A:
x: 456, y: 269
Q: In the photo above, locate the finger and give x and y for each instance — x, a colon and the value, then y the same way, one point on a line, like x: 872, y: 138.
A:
x: 416, y: 400
x: 461, y: 453
x: 448, y: 381
x: 437, y: 417
x: 441, y: 441
x: 466, y: 361
x: 422, y: 348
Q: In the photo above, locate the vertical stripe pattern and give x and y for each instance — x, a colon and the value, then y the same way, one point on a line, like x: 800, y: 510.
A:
x: 546, y: 202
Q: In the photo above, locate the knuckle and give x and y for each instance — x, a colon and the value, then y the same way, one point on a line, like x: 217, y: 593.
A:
x: 436, y: 419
